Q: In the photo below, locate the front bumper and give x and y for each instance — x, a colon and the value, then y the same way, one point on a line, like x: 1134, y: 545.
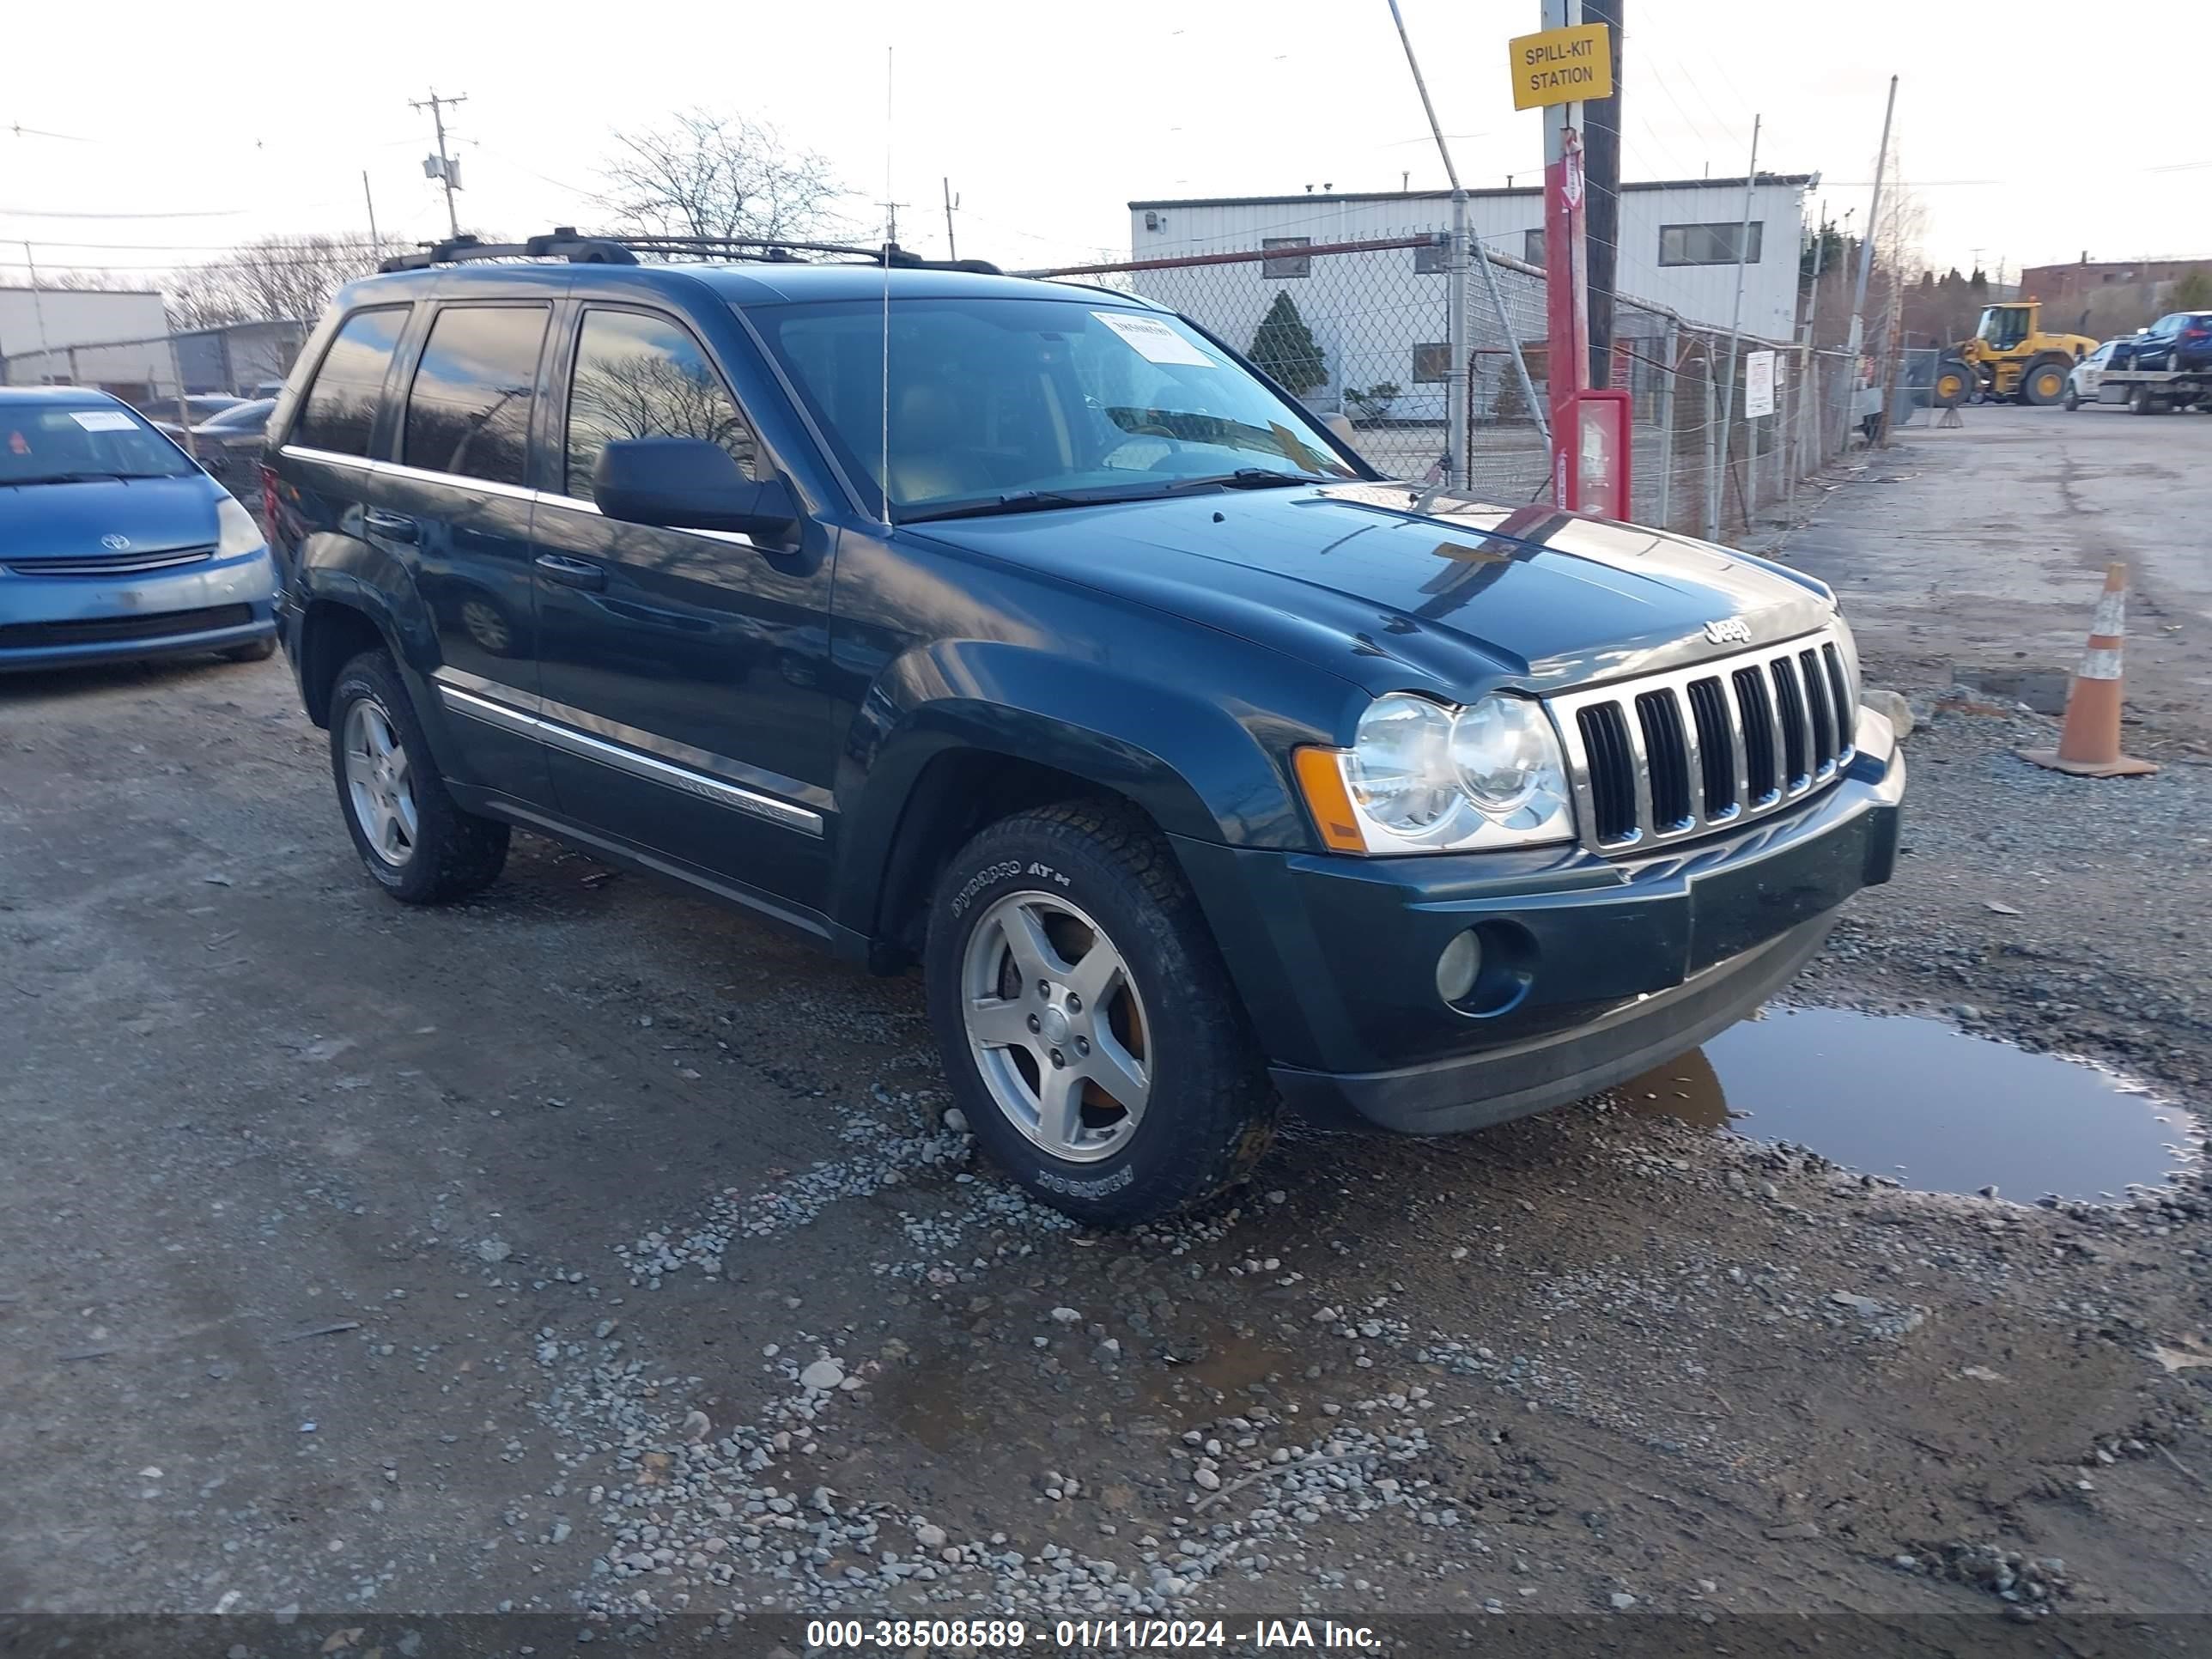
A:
x: 1596, y: 969
x: 57, y: 621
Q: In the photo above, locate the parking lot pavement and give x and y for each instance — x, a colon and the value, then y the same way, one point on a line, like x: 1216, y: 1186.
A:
x: 590, y: 1249
x: 1984, y: 546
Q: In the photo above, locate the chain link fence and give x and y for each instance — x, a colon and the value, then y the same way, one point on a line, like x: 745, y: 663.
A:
x: 1364, y: 329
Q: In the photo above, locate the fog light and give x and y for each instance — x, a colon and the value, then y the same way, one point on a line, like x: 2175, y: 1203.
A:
x: 1458, y: 966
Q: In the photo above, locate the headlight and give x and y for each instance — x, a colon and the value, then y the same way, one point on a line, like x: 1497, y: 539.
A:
x: 237, y: 532
x: 1848, y: 647
x: 1500, y: 747
x: 1400, y: 769
x: 1421, y: 777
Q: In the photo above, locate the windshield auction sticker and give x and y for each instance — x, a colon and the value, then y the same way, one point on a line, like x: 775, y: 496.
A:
x: 1154, y: 341
x: 103, y: 420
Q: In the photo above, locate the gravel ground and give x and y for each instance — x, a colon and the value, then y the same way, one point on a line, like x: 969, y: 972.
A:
x: 589, y: 1250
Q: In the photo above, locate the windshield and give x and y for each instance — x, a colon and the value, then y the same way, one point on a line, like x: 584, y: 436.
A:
x: 66, y: 442
x: 2004, y: 325
x: 251, y: 416
x: 1028, y: 403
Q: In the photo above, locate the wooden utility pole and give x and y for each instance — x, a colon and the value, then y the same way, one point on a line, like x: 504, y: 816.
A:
x: 1602, y: 176
x: 951, y: 247
x: 375, y: 241
x: 443, y: 171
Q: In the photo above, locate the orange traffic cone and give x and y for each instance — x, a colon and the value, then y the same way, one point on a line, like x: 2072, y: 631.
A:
x: 2089, y: 741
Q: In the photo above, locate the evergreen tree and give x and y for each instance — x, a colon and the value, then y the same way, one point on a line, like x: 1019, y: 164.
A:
x: 1284, y: 347
x: 2191, y: 290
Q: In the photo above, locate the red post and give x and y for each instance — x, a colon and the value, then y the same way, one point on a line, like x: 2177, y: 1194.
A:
x: 1566, y: 307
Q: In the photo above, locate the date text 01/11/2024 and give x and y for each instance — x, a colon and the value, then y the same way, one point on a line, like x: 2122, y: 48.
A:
x: 1085, y: 1635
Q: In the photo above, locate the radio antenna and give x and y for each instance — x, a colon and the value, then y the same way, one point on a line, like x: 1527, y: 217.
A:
x: 889, y: 64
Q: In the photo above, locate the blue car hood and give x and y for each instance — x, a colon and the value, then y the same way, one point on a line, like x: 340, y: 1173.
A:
x: 55, y: 520
x: 1463, y: 597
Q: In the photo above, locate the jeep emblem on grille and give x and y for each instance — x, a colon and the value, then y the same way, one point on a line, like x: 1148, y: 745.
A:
x: 1728, y: 630
x: 115, y: 543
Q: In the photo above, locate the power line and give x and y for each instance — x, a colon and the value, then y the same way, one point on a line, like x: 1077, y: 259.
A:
x: 22, y: 131
x: 44, y: 213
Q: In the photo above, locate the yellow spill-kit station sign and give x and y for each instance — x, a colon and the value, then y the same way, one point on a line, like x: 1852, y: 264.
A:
x: 1560, y: 66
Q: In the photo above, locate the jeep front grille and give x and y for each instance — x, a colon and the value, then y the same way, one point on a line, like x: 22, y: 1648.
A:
x: 1672, y: 756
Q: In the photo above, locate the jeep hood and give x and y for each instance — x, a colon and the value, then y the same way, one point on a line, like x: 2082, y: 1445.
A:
x: 1459, y: 599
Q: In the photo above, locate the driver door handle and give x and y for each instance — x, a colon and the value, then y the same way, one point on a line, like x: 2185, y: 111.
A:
x: 572, y: 573
x: 396, y: 526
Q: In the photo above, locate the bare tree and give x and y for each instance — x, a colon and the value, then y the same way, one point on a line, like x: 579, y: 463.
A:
x: 277, y: 278
x: 96, y: 281
x: 710, y: 174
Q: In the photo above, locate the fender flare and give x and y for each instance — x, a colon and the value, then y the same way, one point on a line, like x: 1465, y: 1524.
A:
x: 1197, y: 768
x: 381, y: 590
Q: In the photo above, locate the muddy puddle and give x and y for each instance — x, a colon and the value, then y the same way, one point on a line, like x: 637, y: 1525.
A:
x: 1936, y: 1108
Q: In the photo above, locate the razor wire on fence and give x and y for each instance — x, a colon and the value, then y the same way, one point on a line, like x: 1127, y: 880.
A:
x: 1363, y: 330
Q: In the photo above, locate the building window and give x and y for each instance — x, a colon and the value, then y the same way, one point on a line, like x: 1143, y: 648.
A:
x: 1709, y: 244
x: 1290, y: 264
x: 1432, y: 259
x: 1531, y: 246
x: 1432, y: 364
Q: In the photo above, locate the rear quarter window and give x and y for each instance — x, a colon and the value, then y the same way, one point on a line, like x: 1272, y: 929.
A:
x: 468, y: 411
x: 338, y: 413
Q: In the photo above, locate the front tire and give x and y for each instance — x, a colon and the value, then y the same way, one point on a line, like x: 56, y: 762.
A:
x: 1087, y: 1022
x: 413, y: 841
x: 1955, y: 383
x: 2072, y: 400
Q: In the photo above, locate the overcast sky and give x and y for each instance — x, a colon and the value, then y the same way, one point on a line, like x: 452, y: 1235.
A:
x: 258, y: 118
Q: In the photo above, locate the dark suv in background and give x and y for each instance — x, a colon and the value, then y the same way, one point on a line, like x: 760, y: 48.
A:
x: 1025, y: 631
x: 2182, y: 339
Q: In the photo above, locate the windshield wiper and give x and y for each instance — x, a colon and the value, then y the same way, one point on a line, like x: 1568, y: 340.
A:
x: 71, y: 477
x: 1032, y: 500
x: 1244, y: 477
x: 1018, y: 501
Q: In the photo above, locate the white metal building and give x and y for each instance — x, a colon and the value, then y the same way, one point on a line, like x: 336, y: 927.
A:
x: 1380, y: 316
x: 55, y: 320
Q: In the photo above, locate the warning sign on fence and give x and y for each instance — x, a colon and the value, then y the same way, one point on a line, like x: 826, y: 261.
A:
x: 1759, y: 384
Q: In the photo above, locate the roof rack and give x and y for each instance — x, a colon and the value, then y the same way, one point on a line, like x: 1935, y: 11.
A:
x: 564, y: 242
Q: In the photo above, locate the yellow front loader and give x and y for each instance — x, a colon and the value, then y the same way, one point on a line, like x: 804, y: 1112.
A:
x: 2010, y: 358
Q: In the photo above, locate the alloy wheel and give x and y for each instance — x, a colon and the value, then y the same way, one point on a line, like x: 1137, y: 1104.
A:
x: 1056, y: 1026
x: 380, y: 782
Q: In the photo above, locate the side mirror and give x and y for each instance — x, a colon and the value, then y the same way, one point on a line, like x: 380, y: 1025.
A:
x: 688, y: 483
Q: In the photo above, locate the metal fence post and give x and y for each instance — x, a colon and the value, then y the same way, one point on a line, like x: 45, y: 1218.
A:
x: 1456, y: 374
x: 1712, y: 458
x: 1666, y: 424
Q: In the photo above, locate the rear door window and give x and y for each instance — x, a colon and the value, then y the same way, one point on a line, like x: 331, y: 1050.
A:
x: 639, y: 376
x: 339, y: 411
x: 468, y: 411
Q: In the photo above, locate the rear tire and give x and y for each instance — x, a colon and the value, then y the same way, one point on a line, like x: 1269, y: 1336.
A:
x: 2044, y: 382
x: 2140, y: 402
x: 414, y: 841
x: 1146, y: 1100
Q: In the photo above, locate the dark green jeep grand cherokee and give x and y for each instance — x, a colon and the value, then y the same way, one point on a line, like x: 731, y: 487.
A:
x: 1023, y: 631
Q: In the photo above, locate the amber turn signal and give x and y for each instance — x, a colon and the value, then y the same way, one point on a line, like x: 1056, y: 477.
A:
x: 1321, y: 780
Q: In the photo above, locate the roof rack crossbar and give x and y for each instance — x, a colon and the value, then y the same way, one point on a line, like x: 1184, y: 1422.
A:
x: 564, y: 242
